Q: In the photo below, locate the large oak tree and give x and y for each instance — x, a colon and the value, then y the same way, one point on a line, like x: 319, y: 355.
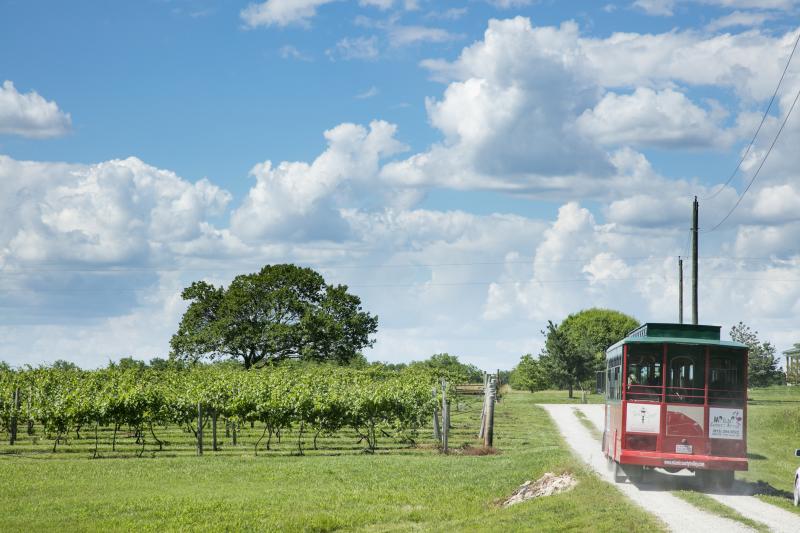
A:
x: 281, y: 312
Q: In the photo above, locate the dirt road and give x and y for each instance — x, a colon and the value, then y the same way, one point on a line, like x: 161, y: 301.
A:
x: 653, y: 495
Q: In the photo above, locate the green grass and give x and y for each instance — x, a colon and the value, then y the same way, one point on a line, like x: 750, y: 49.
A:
x: 401, y: 489
x: 596, y: 433
x: 773, y: 433
x: 709, y: 504
x: 562, y: 396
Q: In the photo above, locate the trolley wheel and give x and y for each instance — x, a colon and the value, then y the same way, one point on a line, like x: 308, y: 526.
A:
x: 616, y: 471
x: 635, y: 473
x: 724, y: 478
x: 705, y: 477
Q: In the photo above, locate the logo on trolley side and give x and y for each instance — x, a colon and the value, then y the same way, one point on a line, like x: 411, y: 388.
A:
x: 725, y: 423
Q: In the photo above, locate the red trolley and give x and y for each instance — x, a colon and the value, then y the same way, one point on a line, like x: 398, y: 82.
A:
x: 676, y: 397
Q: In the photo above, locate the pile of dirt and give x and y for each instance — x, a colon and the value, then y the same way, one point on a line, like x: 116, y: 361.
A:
x: 478, y: 450
x: 547, y: 485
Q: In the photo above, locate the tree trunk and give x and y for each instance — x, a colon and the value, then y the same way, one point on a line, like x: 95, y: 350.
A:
x: 570, y: 390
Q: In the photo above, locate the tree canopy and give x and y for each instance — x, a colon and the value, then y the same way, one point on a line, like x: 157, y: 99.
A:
x: 444, y: 364
x: 529, y: 375
x: 595, y: 330
x: 762, y: 363
x: 574, y: 350
x: 281, y: 312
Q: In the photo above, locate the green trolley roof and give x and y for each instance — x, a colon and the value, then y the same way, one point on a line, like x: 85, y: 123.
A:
x: 660, y: 333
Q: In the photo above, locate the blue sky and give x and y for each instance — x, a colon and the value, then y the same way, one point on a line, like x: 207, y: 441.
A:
x: 183, y: 85
x: 490, y: 140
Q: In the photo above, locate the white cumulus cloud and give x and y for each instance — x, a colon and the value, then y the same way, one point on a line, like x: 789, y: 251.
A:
x: 118, y: 211
x: 30, y: 115
x: 298, y: 200
x: 281, y: 12
x: 648, y: 117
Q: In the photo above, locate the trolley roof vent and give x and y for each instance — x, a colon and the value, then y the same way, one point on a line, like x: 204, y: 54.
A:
x: 682, y: 331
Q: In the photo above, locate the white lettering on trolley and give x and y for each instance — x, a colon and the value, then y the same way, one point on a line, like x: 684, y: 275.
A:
x: 688, y: 464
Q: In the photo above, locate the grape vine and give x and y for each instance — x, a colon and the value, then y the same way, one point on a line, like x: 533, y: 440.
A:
x: 310, y: 400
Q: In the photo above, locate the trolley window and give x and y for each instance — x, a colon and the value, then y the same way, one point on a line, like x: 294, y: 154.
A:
x: 685, y: 374
x: 726, y: 377
x: 614, y: 374
x: 644, y: 377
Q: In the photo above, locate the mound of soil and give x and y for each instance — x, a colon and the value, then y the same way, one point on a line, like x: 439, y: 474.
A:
x: 547, y: 485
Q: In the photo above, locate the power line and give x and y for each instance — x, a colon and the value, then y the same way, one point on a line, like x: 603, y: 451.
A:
x: 775, y: 140
x: 688, y: 242
x: 29, y: 271
x: 358, y: 285
x: 23, y: 270
x: 26, y: 271
x: 760, y: 125
x: 419, y: 284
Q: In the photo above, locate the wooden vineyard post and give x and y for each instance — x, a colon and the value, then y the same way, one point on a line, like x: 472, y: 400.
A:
x: 28, y: 403
x: 482, y: 430
x: 13, y: 422
x: 445, y: 417
x: 199, y: 428
x: 436, y: 433
x: 488, y: 436
x: 214, y: 430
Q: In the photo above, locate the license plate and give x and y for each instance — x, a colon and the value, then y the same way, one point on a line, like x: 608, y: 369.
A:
x: 683, y: 448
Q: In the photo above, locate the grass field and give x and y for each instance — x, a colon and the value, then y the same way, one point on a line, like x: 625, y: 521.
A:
x: 561, y: 396
x: 402, y: 489
x: 773, y: 433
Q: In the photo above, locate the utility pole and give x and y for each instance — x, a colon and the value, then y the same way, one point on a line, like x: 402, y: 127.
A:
x: 680, y: 290
x: 695, y: 209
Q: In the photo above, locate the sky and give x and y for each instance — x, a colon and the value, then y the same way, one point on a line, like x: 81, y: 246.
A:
x: 471, y: 169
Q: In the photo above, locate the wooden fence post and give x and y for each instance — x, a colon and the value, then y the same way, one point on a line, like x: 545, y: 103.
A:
x: 436, y: 433
x: 214, y: 430
x: 28, y: 403
x: 13, y: 422
x: 482, y: 431
x: 445, y: 416
x: 488, y: 437
x: 199, y: 428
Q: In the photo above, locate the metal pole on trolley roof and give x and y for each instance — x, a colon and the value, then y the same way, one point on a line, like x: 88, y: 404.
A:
x: 695, y: 209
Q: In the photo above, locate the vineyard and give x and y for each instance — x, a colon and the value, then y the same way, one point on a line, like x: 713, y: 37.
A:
x: 134, y: 411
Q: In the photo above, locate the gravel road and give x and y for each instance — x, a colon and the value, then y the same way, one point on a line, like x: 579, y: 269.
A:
x: 678, y: 515
x: 738, y: 497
